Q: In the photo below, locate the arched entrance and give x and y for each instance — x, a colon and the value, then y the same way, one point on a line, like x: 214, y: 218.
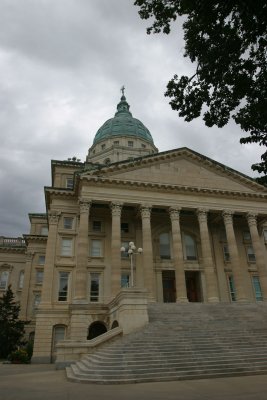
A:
x: 95, y: 329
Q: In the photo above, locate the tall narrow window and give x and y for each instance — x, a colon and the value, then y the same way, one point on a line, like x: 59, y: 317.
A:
x: 257, y: 288
x: 96, y: 248
x: 21, y: 279
x: 41, y: 260
x: 36, y: 300
x: 265, y: 235
x: 125, y: 280
x: 69, y: 183
x: 124, y: 254
x: 63, y: 286
x: 68, y: 223
x: 130, y: 143
x: 232, y: 288
x: 190, y: 248
x: 246, y: 236
x: 97, y: 226
x: 66, y: 247
x: 39, y: 276
x: 226, y: 254
x: 3, y: 279
x: 94, y: 288
x: 164, y: 246
x: 124, y: 227
x: 250, y: 254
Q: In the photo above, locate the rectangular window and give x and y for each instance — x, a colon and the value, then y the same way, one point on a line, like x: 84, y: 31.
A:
x: 39, y: 277
x: 124, y: 227
x: 250, y: 254
x: 232, y: 288
x: 103, y: 146
x: 21, y: 279
x: 66, y: 247
x: 226, y: 254
x: 164, y: 246
x: 265, y: 235
x: 257, y: 288
x: 3, y: 279
x: 36, y: 300
x: 124, y: 254
x: 116, y: 142
x: 130, y: 143
x: 96, y: 248
x: 67, y: 223
x: 94, y: 287
x: 63, y: 286
x: 97, y: 226
x: 44, y: 230
x: 69, y: 183
x: 246, y: 236
x: 125, y: 280
x: 41, y: 260
x: 190, y: 248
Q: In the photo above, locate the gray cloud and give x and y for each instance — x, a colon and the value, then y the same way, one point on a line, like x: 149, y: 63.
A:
x: 62, y: 65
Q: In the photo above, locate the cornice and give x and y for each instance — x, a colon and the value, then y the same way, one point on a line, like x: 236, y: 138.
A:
x: 11, y: 249
x: 96, y: 180
x: 35, y: 238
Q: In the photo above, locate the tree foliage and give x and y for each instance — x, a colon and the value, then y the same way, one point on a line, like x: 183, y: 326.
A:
x: 11, y: 327
x: 227, y: 41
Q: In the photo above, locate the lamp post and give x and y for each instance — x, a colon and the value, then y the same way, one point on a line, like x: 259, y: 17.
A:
x: 131, y: 251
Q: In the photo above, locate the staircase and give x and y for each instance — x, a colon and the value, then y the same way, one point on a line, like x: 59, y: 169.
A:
x: 183, y: 341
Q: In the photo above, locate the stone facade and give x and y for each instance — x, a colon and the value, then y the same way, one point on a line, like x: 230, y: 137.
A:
x: 202, y: 227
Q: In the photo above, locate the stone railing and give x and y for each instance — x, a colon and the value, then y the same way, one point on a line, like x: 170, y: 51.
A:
x: 12, y: 242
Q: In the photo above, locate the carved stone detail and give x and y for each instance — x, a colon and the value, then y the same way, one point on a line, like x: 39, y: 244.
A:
x: 175, y: 213
x: 85, y: 206
x: 29, y: 255
x: 228, y: 216
x: 145, y: 211
x: 53, y: 217
x: 116, y: 209
x: 252, y: 219
x: 202, y: 214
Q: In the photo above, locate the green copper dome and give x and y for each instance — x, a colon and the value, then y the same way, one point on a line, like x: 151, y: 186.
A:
x: 123, y: 124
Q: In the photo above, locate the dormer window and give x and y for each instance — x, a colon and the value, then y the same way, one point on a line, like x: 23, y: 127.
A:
x: 103, y: 146
x: 130, y: 143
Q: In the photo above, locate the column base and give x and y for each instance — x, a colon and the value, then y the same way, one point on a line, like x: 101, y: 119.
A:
x: 242, y: 300
x: 213, y: 300
x: 182, y: 300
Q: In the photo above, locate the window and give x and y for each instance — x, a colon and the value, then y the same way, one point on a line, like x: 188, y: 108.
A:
x: 124, y: 254
x: 21, y: 279
x: 130, y: 143
x: 265, y: 235
x: 190, y: 248
x: 257, y: 288
x: 96, y: 248
x: 41, y: 260
x: 144, y: 146
x: 226, y: 254
x: 67, y: 223
x: 66, y: 247
x: 103, y: 146
x: 164, y: 246
x: 246, y: 236
x: 59, y: 332
x: 124, y: 227
x: 94, y: 287
x: 250, y: 254
x: 232, y: 288
x: 97, y: 226
x: 69, y: 183
x: 36, y: 300
x: 63, y: 286
x: 3, y: 279
x: 125, y: 280
x: 39, y: 276
x: 116, y: 142
x: 44, y: 230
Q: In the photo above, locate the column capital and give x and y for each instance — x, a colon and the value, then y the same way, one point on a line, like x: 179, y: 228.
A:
x: 53, y: 217
x: 116, y: 208
x: 85, y: 205
x: 174, y: 213
x: 29, y: 255
x: 145, y: 210
x: 252, y: 218
x: 228, y: 216
x: 202, y: 214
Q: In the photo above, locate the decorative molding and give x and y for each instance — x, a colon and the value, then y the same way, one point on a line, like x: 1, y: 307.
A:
x: 145, y: 210
x: 174, y: 213
x: 53, y: 217
x: 252, y: 219
x: 85, y: 206
x: 116, y: 209
x: 228, y: 217
x: 202, y: 214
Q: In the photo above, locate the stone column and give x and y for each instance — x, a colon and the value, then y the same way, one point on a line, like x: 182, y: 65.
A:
x: 178, y: 258
x: 147, y: 251
x: 50, y: 255
x: 258, y: 249
x: 80, y: 286
x: 238, y: 273
x: 26, y: 286
x: 116, y: 248
x: 210, y: 276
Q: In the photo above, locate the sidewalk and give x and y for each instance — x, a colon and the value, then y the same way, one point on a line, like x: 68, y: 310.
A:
x: 40, y: 382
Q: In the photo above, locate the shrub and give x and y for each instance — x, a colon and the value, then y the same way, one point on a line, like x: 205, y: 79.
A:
x: 19, y: 356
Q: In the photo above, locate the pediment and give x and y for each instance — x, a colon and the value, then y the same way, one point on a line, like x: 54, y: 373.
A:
x: 182, y: 167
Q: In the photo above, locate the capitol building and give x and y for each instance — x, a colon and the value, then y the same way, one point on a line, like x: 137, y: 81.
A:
x: 131, y: 226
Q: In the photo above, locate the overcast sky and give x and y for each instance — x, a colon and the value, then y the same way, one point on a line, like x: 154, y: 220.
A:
x: 62, y: 65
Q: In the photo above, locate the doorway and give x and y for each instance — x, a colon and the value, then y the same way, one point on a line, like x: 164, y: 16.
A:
x: 193, y: 286
x: 168, y: 284
x: 95, y: 329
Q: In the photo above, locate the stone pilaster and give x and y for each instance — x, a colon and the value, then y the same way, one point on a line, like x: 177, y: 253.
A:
x: 50, y: 255
x: 80, y: 286
x: 258, y: 250
x: 238, y: 273
x: 147, y: 251
x: 210, y: 276
x: 178, y: 258
x: 115, y: 248
x: 26, y: 286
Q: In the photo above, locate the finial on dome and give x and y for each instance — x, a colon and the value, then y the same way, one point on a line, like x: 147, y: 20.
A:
x: 122, y: 89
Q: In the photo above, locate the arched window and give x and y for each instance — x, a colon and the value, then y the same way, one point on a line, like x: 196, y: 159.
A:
x: 115, y: 324
x: 190, y: 248
x: 164, y: 246
x: 4, y: 279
